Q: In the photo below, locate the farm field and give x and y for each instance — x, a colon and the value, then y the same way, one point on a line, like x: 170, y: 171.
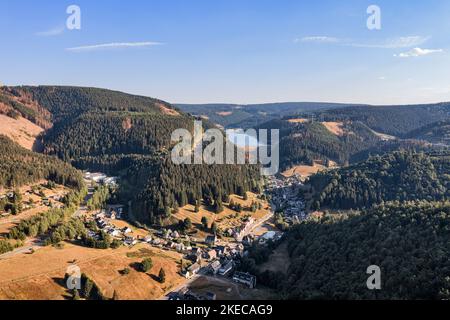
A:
x: 39, y: 276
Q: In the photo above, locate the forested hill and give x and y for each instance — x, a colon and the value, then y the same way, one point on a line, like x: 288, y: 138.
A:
x: 408, y: 241
x: 437, y: 132
x: 65, y: 102
x: 392, y: 120
x: 303, y: 141
x: 90, y: 121
x: 252, y: 115
x: 400, y: 175
x: 19, y: 166
x: 129, y: 136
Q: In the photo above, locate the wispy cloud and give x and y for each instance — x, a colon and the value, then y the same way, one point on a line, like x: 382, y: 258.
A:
x: 394, y: 43
x: 114, y: 45
x: 51, y: 33
x: 390, y: 43
x: 417, y: 52
x: 318, y: 39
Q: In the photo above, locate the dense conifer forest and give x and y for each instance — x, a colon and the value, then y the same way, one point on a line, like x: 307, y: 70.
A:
x: 401, y: 175
x: 129, y: 136
x: 409, y: 241
x: 437, y: 132
x: 303, y: 143
x: 393, y: 120
x: 19, y: 166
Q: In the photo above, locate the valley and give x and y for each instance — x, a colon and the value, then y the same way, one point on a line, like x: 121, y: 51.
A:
x: 104, y: 196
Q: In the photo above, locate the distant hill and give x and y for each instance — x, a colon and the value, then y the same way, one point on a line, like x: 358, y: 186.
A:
x: 397, y: 176
x: 303, y: 141
x: 393, y: 120
x: 436, y: 132
x: 251, y: 115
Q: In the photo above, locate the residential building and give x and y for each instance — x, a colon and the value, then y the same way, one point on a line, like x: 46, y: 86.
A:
x: 245, y: 279
x: 192, y: 270
x: 226, y: 267
x: 211, y: 240
x: 214, y: 267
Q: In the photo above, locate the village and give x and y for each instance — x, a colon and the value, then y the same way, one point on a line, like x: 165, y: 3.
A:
x: 206, y: 256
x: 286, y: 199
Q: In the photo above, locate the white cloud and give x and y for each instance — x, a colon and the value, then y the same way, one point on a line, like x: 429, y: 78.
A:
x: 417, y: 52
x: 51, y: 33
x: 390, y: 43
x: 318, y: 39
x: 382, y: 78
x: 394, y: 43
x: 114, y: 45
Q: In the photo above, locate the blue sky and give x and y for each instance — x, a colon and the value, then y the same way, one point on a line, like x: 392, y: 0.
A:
x: 237, y: 51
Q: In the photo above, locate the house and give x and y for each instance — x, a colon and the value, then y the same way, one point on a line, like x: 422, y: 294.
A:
x: 110, y: 181
x: 245, y: 279
x: 195, y: 255
x: 101, y: 223
x: 100, y: 215
x: 96, y: 177
x: 211, y: 240
x: 240, y: 248
x: 247, y: 240
x: 179, y: 247
x: 148, y: 239
x: 226, y: 267
x: 126, y: 230
x: 214, y: 267
x: 192, y: 270
x: 113, y: 215
x: 175, y: 235
x: 222, y: 251
x: 130, y: 240
x: 210, y: 255
x: 114, y: 232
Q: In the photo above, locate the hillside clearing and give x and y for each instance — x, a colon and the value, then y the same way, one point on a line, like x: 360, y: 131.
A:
x: 336, y: 128
x: 22, y: 131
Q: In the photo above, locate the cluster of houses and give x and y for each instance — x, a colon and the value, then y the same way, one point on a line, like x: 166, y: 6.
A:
x: 124, y: 233
x: 100, y: 178
x: 218, y: 260
x: 238, y: 233
x: 285, y: 198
